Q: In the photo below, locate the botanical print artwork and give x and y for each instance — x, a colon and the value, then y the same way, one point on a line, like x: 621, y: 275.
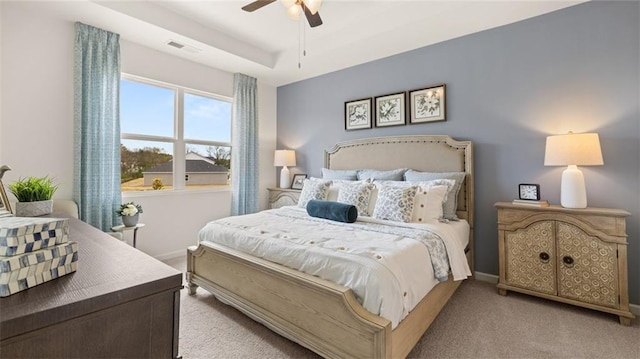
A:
x: 389, y: 110
x: 428, y: 104
x: 357, y: 114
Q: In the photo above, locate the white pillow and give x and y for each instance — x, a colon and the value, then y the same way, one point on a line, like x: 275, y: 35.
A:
x: 358, y: 194
x: 428, y: 203
x: 313, y: 188
x: 395, y: 203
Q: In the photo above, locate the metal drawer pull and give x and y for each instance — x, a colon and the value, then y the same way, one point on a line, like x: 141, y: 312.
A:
x: 544, y: 257
x: 568, y: 261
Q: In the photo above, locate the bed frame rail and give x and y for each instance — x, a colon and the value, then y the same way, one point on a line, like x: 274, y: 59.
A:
x: 313, y: 312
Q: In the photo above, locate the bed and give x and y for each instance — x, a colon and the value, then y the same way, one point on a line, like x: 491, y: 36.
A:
x: 319, y: 314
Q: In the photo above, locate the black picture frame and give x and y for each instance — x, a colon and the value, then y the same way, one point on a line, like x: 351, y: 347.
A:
x: 390, y: 110
x: 428, y: 104
x: 298, y: 180
x: 357, y: 114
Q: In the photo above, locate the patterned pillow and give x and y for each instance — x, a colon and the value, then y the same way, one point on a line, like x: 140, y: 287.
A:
x: 357, y: 194
x: 395, y: 203
x: 313, y: 188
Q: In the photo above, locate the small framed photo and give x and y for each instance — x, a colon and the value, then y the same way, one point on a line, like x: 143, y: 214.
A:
x: 390, y: 110
x: 298, y: 181
x: 428, y: 104
x: 357, y: 114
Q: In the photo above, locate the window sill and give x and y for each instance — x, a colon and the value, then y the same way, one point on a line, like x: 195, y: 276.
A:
x: 174, y: 192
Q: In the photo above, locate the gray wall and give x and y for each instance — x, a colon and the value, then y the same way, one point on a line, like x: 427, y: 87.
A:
x: 508, y: 88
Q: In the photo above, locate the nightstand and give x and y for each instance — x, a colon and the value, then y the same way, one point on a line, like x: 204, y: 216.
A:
x: 574, y: 256
x: 279, y: 197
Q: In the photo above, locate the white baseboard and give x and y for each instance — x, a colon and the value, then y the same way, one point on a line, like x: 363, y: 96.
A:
x: 492, y: 278
x: 172, y: 255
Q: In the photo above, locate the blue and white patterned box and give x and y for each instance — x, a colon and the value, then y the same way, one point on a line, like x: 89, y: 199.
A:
x: 26, y: 234
x: 27, y: 270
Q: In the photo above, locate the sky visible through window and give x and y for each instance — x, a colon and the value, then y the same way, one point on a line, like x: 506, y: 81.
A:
x: 149, y: 110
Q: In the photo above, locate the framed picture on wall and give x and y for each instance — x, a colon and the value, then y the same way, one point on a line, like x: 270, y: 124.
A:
x: 390, y: 110
x: 357, y: 114
x: 427, y: 104
x: 298, y: 181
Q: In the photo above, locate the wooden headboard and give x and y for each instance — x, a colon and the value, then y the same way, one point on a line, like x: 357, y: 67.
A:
x: 426, y: 153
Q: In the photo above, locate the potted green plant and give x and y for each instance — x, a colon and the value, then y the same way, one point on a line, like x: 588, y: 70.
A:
x: 130, y: 213
x: 34, y: 196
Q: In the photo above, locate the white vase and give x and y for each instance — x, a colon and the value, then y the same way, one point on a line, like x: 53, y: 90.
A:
x: 34, y: 209
x: 130, y: 221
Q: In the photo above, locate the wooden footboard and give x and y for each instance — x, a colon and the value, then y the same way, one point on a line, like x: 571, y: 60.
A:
x: 318, y: 314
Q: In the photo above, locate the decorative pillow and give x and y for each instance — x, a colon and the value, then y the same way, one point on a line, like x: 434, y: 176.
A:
x: 334, y: 189
x: 451, y: 205
x: 428, y: 203
x: 313, y: 188
x: 357, y: 193
x: 334, y: 211
x: 395, y: 203
x: 350, y: 175
x: 392, y: 175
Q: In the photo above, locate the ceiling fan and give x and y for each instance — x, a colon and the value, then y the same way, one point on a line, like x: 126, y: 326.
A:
x: 294, y: 8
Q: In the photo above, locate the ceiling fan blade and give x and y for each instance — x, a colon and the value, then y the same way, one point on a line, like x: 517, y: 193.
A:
x: 256, y: 5
x: 314, y: 19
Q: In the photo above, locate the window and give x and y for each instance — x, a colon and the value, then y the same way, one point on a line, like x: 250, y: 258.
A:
x: 160, y: 122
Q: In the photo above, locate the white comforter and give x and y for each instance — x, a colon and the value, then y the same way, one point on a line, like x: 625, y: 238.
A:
x: 388, y: 273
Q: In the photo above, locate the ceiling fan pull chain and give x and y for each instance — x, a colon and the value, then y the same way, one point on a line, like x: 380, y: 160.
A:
x: 299, y: 45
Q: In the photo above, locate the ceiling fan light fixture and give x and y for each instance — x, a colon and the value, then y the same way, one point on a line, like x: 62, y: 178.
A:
x: 313, y: 5
x: 294, y: 12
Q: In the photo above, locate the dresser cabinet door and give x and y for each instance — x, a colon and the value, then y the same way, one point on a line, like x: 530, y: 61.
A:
x: 587, y: 267
x: 530, y: 257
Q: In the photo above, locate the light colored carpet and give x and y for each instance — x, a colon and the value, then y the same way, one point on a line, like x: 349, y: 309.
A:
x: 476, y: 323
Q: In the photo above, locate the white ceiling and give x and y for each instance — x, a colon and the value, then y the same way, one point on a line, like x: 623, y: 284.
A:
x: 265, y: 43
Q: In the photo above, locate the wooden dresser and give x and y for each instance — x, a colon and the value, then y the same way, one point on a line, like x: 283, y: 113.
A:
x: 575, y: 256
x: 120, y: 303
x: 279, y: 197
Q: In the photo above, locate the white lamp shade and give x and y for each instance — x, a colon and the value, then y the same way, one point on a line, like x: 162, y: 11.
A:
x: 581, y: 149
x: 573, y: 150
x: 284, y: 158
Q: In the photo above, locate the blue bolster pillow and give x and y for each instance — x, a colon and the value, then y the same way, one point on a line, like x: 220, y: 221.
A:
x: 334, y: 211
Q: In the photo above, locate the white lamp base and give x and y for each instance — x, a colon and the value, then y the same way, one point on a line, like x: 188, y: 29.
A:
x: 573, y: 193
x: 285, y: 182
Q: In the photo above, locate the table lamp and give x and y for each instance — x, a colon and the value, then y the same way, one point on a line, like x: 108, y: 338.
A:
x: 284, y: 158
x: 573, y: 150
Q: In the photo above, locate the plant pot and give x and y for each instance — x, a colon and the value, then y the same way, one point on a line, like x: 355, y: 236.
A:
x: 34, y: 209
x: 130, y: 221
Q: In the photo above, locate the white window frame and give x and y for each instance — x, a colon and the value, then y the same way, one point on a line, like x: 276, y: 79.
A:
x: 178, y: 141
